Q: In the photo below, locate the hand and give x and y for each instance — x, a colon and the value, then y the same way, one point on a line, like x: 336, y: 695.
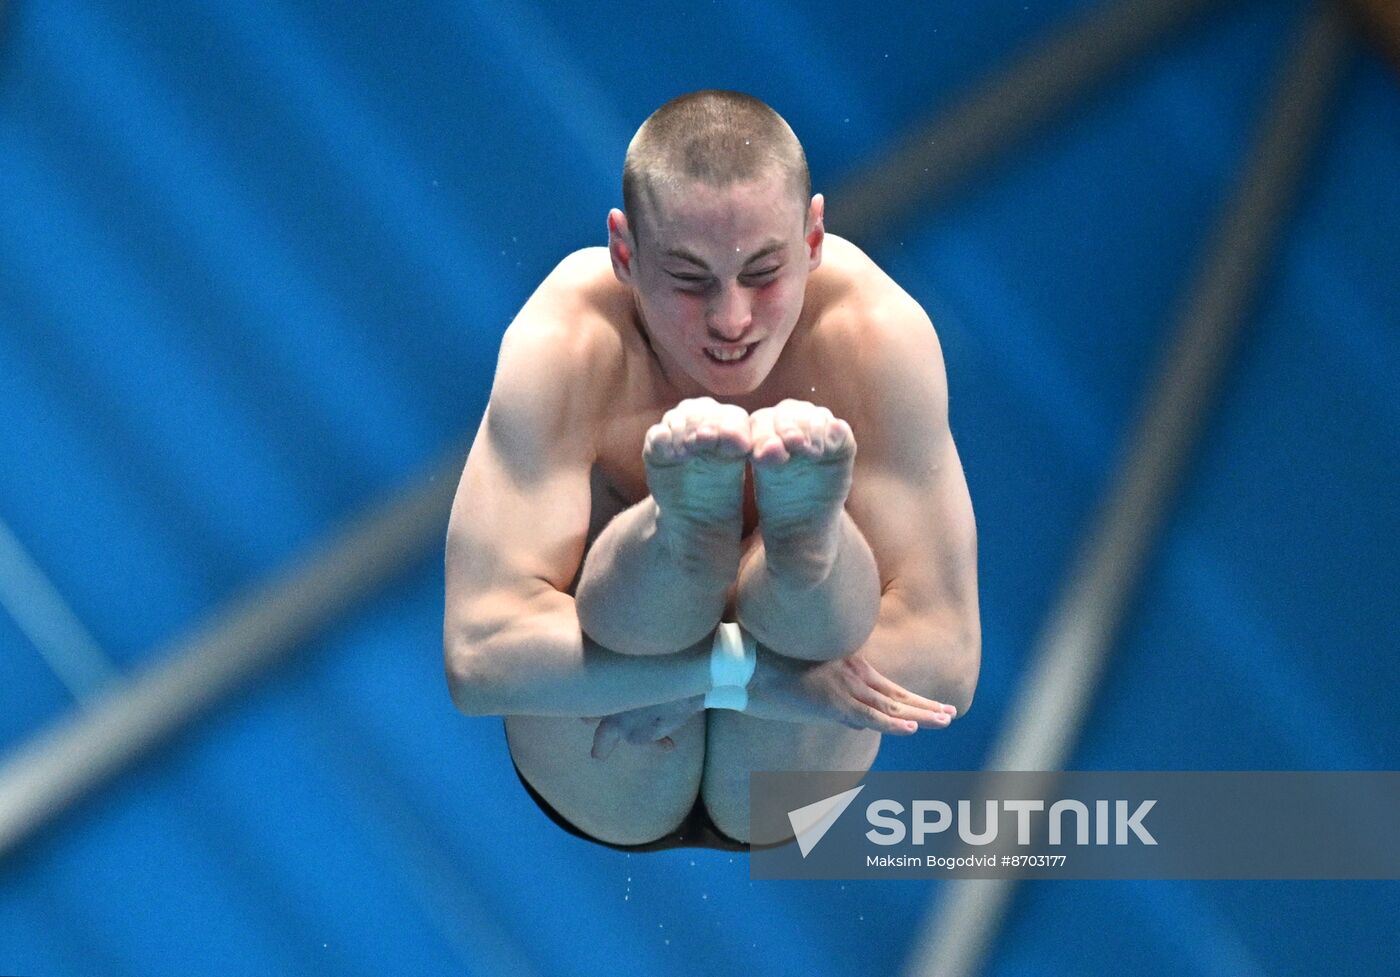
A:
x: 842, y: 692
x: 647, y: 724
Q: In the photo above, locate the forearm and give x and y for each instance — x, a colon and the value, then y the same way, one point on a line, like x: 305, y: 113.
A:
x: 810, y: 599
x: 541, y: 663
x: 938, y: 658
x: 648, y: 587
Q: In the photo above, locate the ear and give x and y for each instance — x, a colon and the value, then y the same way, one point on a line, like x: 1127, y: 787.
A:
x: 815, y: 232
x: 621, y: 246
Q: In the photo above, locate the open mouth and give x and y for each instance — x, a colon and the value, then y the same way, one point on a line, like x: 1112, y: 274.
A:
x: 729, y: 356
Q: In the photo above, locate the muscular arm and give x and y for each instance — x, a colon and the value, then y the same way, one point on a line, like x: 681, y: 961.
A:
x: 537, y: 661
x: 512, y: 641
x: 910, y: 499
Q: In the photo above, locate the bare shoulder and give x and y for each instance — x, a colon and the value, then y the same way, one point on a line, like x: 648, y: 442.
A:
x: 560, y: 354
x: 881, y: 330
x: 572, y: 312
x: 564, y: 340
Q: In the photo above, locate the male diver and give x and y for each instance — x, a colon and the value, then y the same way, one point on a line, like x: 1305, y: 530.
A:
x: 713, y: 520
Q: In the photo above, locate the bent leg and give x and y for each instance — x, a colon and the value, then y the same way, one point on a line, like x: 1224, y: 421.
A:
x: 737, y: 744
x: 798, y: 612
x: 790, y: 615
x: 655, y: 580
x: 646, y: 592
x: 637, y: 794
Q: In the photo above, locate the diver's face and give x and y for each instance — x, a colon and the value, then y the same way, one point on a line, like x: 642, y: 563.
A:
x: 719, y: 277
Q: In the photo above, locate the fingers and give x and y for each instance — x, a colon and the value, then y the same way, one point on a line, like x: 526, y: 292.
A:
x: 898, y: 693
x: 644, y: 727
x: 614, y: 730
x: 605, y: 739
x: 609, y: 734
x: 906, y: 718
x: 862, y: 715
x: 888, y: 706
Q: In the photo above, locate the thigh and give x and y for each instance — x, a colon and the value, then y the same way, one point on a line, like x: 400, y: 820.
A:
x: 737, y: 744
x: 636, y: 795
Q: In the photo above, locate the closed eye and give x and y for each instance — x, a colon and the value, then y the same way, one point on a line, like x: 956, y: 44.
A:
x: 749, y: 275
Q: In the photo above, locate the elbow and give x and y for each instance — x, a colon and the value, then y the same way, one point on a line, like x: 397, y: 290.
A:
x: 469, y: 680
x: 957, y: 665
x: 964, y: 686
x: 961, y: 699
x: 956, y: 691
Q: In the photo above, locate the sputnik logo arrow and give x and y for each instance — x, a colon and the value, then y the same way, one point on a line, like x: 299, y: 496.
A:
x: 810, y: 823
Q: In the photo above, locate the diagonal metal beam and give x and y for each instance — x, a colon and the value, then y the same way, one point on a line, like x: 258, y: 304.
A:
x: 452, y: 907
x: 63, y: 642
x: 60, y: 764
x: 1073, y: 649
x: 933, y: 159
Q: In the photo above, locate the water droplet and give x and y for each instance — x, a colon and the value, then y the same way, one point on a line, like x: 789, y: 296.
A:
x: 704, y: 895
x: 668, y: 942
x: 626, y: 898
x: 692, y: 863
x: 661, y: 926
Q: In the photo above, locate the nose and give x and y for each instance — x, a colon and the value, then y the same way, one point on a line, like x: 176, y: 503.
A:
x: 731, y: 312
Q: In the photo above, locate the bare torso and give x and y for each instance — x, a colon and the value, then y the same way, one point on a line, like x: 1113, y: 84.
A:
x: 822, y: 363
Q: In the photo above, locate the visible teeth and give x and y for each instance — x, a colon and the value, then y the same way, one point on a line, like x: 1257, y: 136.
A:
x: 733, y: 354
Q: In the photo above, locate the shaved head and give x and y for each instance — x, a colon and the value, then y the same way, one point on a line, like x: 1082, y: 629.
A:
x: 714, y: 137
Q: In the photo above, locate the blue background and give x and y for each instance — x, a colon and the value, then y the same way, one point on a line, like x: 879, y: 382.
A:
x: 255, y: 262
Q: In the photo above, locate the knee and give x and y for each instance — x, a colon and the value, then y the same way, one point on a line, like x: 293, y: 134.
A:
x: 816, y: 646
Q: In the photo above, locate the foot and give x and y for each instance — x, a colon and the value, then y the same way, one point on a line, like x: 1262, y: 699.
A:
x: 802, y: 462
x: 695, y: 459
